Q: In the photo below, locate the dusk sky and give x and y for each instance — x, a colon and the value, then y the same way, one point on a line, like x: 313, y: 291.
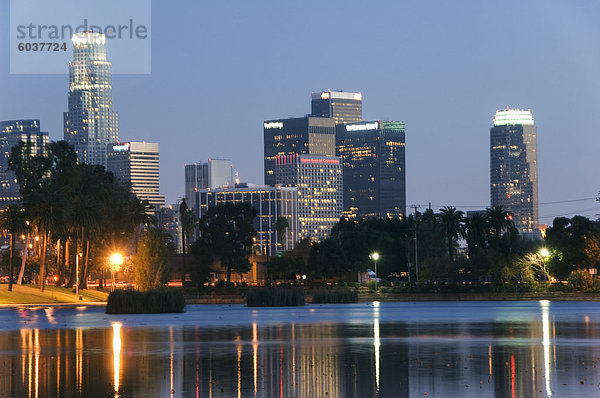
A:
x: 220, y: 68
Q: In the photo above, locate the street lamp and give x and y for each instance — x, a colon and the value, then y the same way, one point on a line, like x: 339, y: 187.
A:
x: 115, y: 260
x: 544, y: 254
x: 374, y: 256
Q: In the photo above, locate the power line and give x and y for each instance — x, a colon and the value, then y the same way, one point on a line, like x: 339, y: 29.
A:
x: 539, y: 204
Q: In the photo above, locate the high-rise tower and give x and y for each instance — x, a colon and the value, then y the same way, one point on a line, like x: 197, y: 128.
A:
x: 513, y: 167
x: 90, y: 124
x: 342, y: 106
x: 373, y: 154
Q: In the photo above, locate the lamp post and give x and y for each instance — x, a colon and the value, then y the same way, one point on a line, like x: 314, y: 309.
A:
x: 375, y: 256
x: 544, y: 254
x: 115, y: 260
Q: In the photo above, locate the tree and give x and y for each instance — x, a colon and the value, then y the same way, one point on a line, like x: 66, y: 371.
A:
x: 226, y: 233
x: 13, y: 222
x: 151, y: 262
x: 477, y: 231
x: 281, y: 225
x: 451, y: 221
x: 189, y: 222
x: 47, y: 210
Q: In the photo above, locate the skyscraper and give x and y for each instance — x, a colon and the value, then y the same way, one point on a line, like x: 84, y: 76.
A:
x: 513, y: 167
x: 216, y: 173
x: 319, y: 182
x: 12, y: 132
x: 136, y: 164
x: 373, y: 154
x: 90, y: 123
x: 343, y: 107
x: 301, y: 135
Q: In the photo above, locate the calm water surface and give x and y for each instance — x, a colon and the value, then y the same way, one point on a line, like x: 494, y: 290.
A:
x: 433, y: 349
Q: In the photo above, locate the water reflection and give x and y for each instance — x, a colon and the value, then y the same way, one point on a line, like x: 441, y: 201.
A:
x: 541, y: 354
x: 116, y: 355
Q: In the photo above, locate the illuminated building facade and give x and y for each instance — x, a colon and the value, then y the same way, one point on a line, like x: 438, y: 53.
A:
x: 343, y: 107
x: 136, y: 164
x: 270, y: 204
x: 319, y: 183
x: 513, y: 167
x: 12, y: 132
x: 216, y: 173
x: 90, y: 123
x: 301, y: 135
x: 374, y: 160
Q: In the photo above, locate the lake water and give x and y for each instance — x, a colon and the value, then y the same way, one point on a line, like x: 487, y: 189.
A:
x: 430, y: 349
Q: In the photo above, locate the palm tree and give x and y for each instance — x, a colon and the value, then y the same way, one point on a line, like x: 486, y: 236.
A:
x: 140, y: 212
x: 47, y: 209
x: 281, y: 225
x: 12, y: 222
x: 500, y: 220
x: 189, y: 222
x: 452, y: 223
x: 477, y: 229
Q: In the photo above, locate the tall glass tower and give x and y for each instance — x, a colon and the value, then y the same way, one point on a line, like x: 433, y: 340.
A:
x: 513, y: 167
x: 90, y: 124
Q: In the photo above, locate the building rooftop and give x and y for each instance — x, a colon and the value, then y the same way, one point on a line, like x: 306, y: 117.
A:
x: 509, y: 116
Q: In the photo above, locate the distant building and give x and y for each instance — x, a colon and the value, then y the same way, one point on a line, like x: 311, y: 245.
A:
x: 168, y: 219
x: 513, y: 167
x: 301, y: 135
x: 270, y: 204
x: 373, y: 154
x: 12, y: 132
x: 343, y: 107
x: 319, y: 183
x: 215, y: 173
x: 136, y: 164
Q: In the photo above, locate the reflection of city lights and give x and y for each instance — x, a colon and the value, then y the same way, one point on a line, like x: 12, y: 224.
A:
x: 376, y: 341
x: 545, y: 304
x: 255, y: 353
x: 116, y: 355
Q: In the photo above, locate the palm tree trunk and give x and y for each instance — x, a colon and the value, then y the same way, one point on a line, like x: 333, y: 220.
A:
x: 83, y: 284
x: 12, y: 257
x: 58, y: 267
x: 43, y: 263
x: 72, y: 276
x: 23, y: 262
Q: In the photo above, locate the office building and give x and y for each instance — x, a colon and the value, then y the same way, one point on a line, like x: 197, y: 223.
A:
x: 168, y: 218
x: 90, y: 123
x: 13, y: 132
x: 136, y: 164
x: 270, y: 204
x: 373, y: 154
x: 343, y: 107
x: 319, y: 183
x: 301, y: 135
x: 215, y: 173
x: 513, y: 167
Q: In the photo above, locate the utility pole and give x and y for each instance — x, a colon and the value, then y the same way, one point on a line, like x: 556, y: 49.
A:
x: 415, y: 207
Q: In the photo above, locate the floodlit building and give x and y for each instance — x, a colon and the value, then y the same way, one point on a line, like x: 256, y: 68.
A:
x: 319, y: 183
x: 300, y: 135
x: 215, y: 173
x: 342, y: 106
x: 136, y: 164
x: 513, y: 167
x: 270, y: 204
x: 373, y: 154
x: 13, y: 132
x: 90, y: 123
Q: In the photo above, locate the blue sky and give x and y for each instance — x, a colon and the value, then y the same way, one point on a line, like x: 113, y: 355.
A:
x: 220, y: 68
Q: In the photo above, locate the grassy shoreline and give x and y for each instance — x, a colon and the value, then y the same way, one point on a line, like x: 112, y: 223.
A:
x: 64, y: 297
x: 29, y: 295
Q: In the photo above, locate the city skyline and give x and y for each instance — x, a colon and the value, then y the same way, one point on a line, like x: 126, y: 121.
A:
x: 444, y: 110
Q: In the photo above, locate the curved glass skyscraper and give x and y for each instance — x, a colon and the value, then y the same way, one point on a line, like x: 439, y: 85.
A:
x: 90, y: 124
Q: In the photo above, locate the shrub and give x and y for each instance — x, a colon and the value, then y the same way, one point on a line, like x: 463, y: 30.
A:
x: 334, y: 296
x: 275, y: 297
x: 149, y: 302
x: 372, y: 285
x: 580, y: 279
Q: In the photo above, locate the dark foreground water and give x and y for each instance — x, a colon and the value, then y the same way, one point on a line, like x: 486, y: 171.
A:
x: 434, y: 349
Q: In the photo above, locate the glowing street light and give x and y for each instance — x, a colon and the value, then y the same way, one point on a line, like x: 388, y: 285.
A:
x: 375, y: 256
x: 115, y: 261
x: 545, y: 253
